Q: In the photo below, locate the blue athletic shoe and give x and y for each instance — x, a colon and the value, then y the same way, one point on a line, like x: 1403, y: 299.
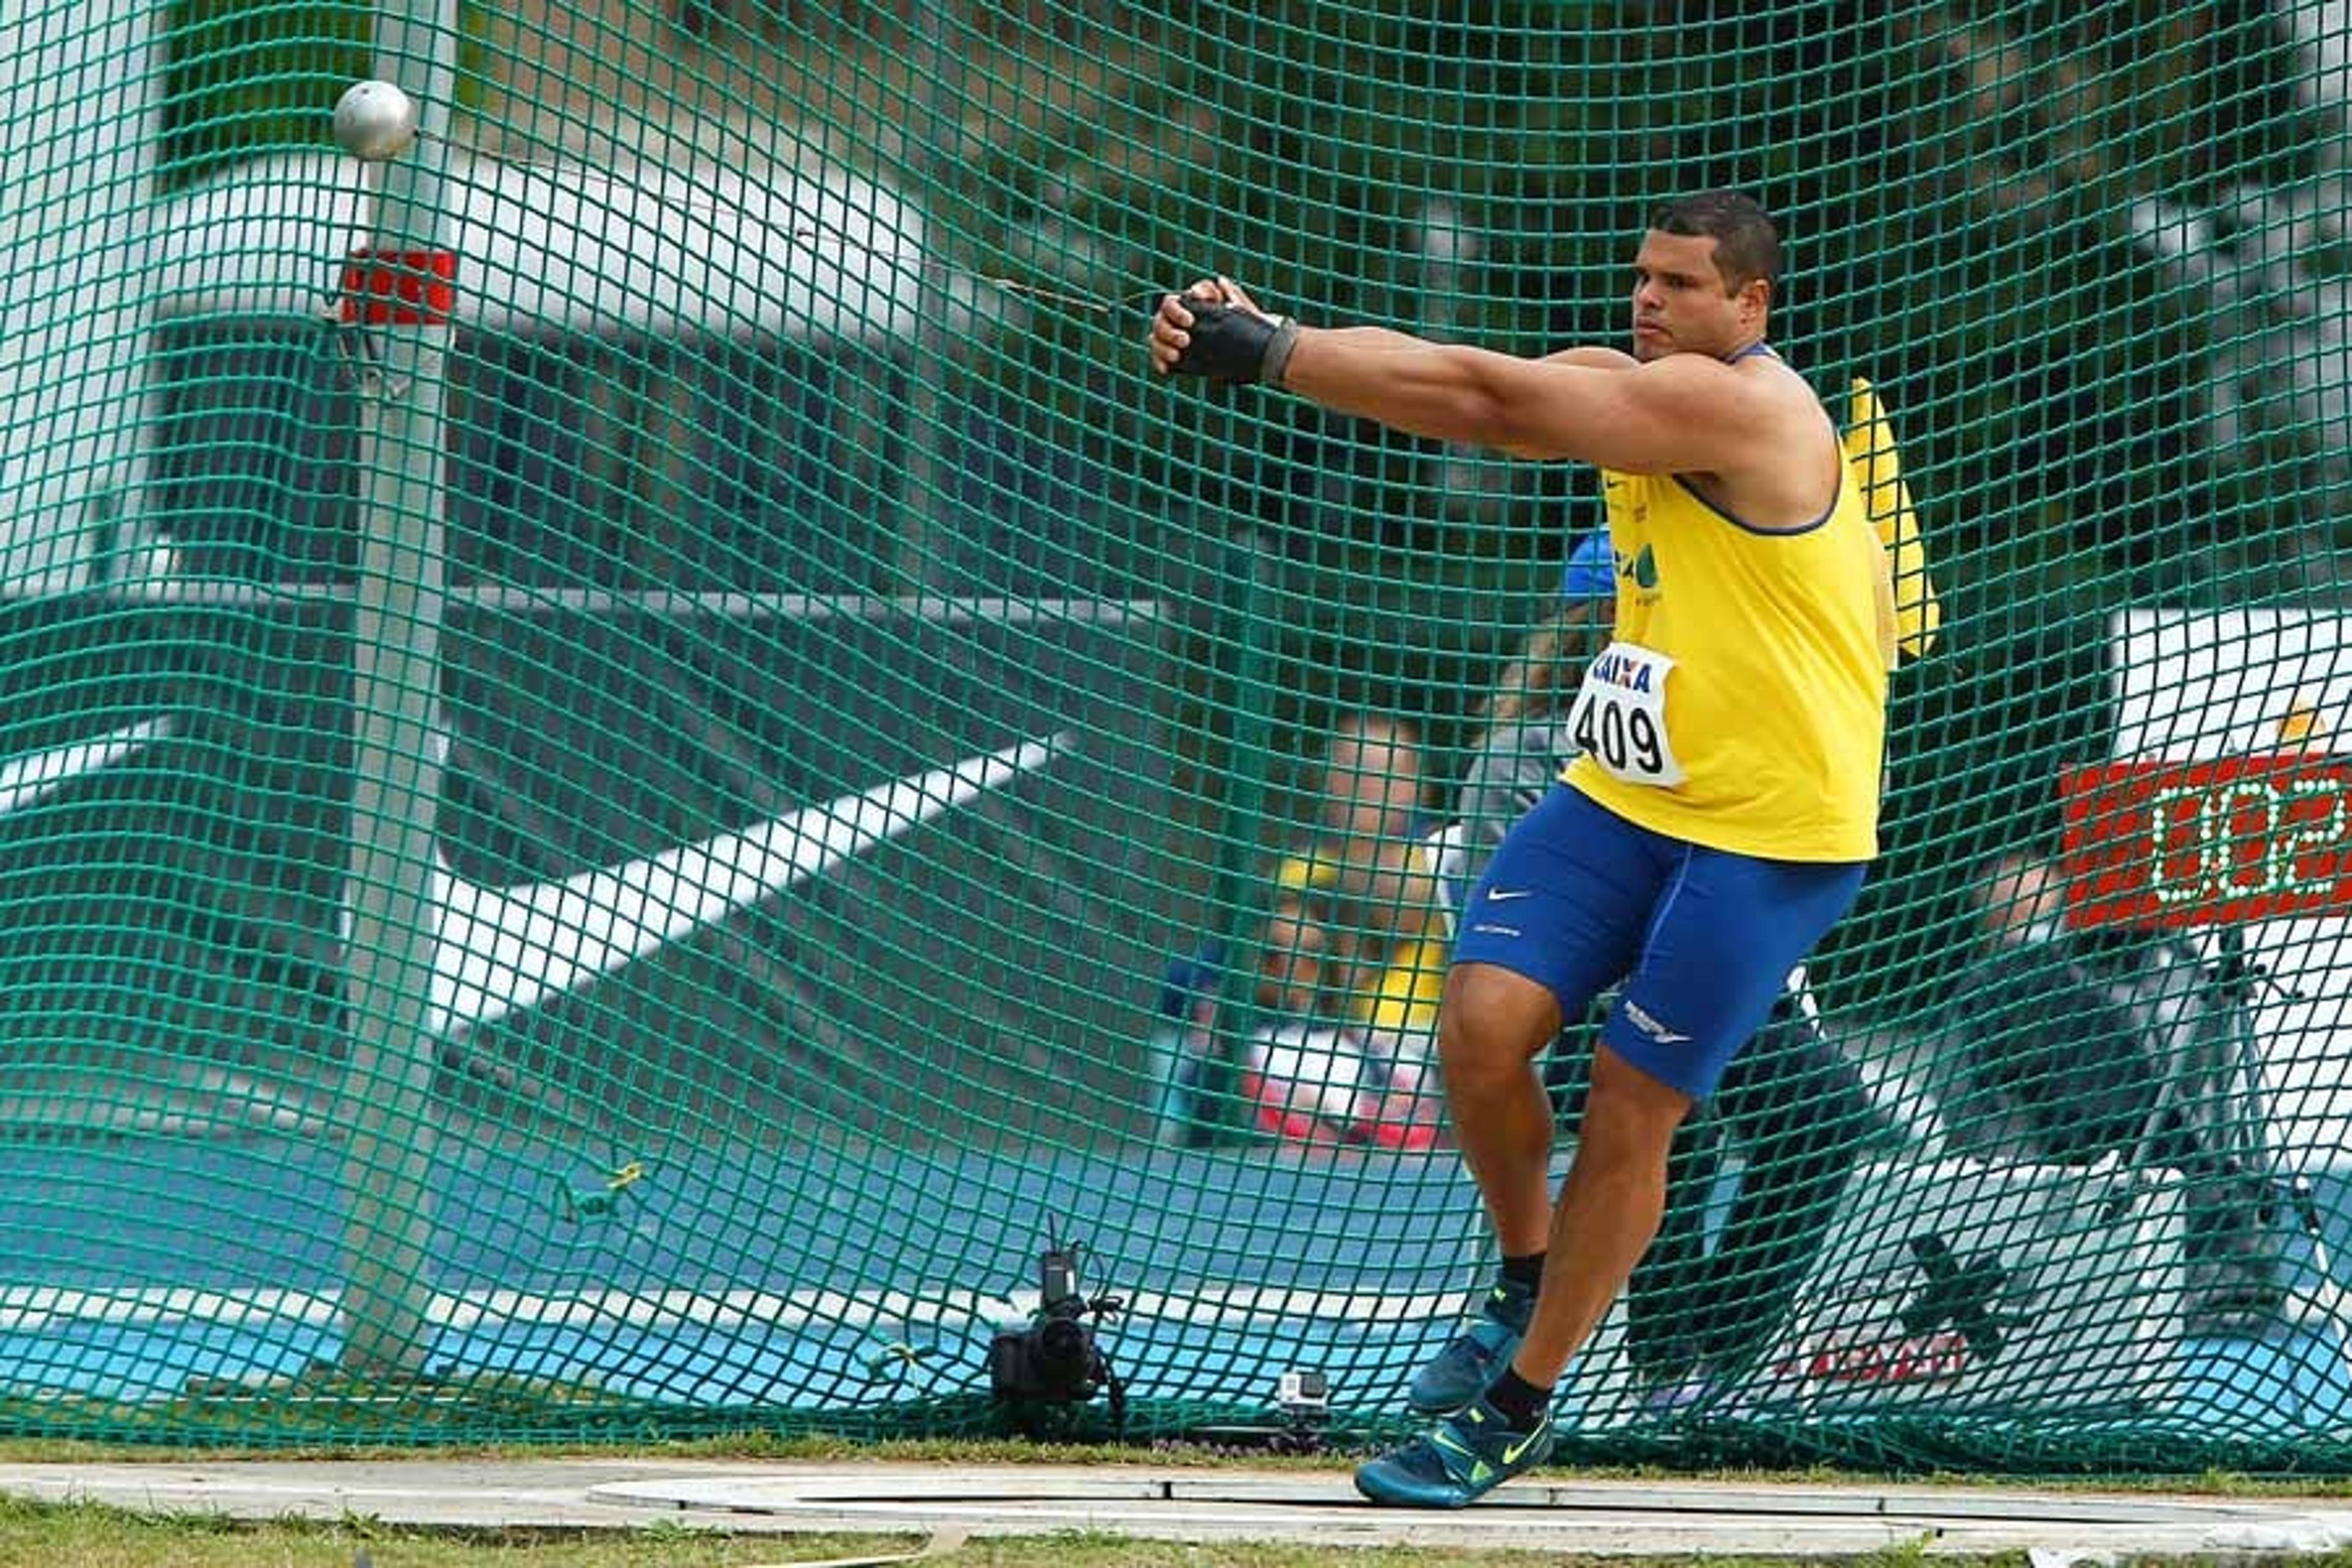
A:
x: 1460, y: 1372
x: 1456, y: 1462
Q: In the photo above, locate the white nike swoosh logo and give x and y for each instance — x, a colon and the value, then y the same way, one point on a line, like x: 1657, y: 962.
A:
x: 1499, y: 896
x: 498, y: 950
x: 502, y: 950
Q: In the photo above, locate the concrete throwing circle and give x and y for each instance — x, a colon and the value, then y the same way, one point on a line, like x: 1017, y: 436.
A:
x: 1599, y: 1517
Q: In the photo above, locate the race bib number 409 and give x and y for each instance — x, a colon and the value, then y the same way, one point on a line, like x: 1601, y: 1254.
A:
x: 1620, y: 715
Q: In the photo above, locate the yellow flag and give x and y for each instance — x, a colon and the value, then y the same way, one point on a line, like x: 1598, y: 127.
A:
x: 1870, y: 456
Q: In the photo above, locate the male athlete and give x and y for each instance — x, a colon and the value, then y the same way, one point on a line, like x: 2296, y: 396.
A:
x: 1721, y: 814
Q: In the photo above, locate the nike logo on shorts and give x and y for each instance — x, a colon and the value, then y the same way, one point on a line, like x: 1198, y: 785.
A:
x: 1651, y: 1027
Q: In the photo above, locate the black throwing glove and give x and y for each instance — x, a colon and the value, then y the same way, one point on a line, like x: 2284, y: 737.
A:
x: 1233, y: 347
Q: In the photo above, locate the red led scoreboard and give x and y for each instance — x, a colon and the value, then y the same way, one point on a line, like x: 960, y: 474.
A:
x: 2221, y: 841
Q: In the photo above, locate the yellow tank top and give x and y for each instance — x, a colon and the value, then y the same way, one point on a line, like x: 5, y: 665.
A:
x: 1775, y: 704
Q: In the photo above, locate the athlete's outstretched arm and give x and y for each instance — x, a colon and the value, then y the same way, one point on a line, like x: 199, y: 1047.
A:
x: 1676, y: 416
x: 1679, y: 415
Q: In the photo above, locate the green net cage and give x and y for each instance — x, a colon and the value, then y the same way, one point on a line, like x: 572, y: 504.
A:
x: 650, y: 785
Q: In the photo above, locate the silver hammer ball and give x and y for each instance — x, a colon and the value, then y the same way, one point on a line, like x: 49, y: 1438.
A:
x: 374, y: 121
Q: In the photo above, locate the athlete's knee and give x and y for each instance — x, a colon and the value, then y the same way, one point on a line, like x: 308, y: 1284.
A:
x: 1491, y: 1026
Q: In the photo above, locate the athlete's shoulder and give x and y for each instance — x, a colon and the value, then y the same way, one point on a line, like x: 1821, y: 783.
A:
x: 1780, y: 387
x: 1754, y: 396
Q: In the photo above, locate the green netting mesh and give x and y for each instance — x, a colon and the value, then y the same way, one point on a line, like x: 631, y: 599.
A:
x: 639, y: 758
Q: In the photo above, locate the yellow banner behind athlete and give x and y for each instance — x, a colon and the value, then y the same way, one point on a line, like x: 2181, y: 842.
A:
x: 1911, y: 611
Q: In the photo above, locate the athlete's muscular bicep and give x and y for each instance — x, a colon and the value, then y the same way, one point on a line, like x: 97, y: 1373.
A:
x: 1589, y: 356
x: 1683, y: 414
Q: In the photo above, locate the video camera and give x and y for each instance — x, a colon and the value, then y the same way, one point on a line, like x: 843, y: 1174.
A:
x: 1053, y: 1360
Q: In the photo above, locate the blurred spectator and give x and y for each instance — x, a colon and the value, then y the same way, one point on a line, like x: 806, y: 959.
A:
x: 1352, y: 958
x: 2079, y: 1046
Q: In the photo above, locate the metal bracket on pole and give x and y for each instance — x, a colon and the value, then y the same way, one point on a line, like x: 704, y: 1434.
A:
x: 380, y: 288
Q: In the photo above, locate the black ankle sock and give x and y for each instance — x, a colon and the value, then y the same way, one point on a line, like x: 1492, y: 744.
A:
x: 1519, y: 1402
x: 1527, y: 1270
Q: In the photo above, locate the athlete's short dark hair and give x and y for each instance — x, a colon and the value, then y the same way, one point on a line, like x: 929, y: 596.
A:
x: 1747, y: 240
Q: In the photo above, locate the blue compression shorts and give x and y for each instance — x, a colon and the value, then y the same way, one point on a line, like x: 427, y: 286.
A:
x: 1577, y: 899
